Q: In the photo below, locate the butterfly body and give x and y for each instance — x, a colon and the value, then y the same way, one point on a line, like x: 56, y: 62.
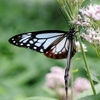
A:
x: 53, y: 43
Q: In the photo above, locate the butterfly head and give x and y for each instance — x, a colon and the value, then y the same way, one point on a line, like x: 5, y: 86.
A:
x: 72, y: 33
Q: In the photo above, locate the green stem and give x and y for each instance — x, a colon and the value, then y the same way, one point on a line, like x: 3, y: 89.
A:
x: 66, y: 12
x: 97, y: 50
x: 87, y: 68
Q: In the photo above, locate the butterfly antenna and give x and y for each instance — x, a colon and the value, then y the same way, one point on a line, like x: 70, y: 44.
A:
x: 64, y: 17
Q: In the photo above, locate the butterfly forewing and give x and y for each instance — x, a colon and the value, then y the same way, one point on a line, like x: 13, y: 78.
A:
x: 43, y: 42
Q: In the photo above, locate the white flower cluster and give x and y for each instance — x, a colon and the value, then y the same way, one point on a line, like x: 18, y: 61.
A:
x: 90, y: 21
x: 78, y: 48
x: 55, y: 78
x: 55, y: 81
x: 91, y: 11
x: 80, y: 21
x: 88, y: 14
x: 92, y: 36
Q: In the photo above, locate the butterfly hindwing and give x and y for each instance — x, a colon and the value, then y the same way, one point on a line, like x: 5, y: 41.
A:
x: 59, y: 50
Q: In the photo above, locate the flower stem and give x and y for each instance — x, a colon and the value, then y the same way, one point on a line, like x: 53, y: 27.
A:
x: 87, y: 67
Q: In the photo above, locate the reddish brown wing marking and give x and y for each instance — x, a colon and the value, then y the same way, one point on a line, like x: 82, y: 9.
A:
x: 50, y: 54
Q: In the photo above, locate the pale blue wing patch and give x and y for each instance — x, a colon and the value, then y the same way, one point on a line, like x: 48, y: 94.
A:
x: 49, y: 41
x: 62, y: 46
x: 48, y: 35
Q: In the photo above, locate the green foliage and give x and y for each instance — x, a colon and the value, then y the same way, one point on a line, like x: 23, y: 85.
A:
x: 40, y: 98
x: 93, y: 97
x: 88, y: 95
x: 95, y: 75
x: 22, y: 71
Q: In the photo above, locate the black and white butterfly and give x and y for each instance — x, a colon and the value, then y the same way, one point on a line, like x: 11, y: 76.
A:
x: 54, y: 44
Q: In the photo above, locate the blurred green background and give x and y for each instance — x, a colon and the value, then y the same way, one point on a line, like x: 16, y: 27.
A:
x: 22, y: 71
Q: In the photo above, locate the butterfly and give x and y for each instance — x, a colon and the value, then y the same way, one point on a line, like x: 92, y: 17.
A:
x: 55, y: 44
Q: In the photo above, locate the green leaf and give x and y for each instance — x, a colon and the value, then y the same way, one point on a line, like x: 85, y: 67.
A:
x: 49, y: 91
x: 92, y: 97
x: 88, y: 93
x: 95, y: 75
